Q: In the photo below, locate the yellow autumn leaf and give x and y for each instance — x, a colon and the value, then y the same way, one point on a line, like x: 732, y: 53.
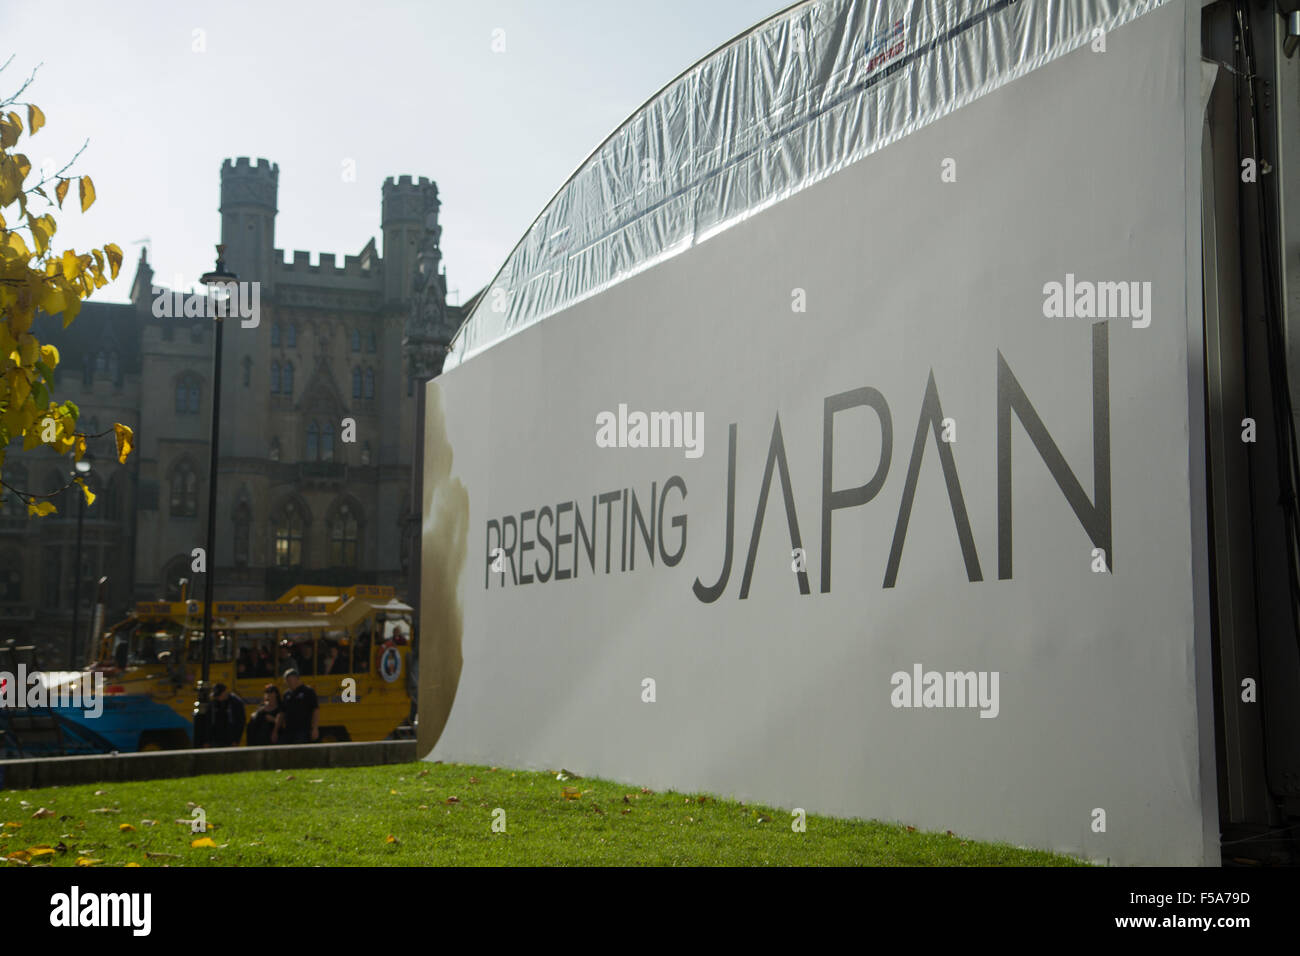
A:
x: 50, y: 355
x: 124, y: 437
x: 79, y: 443
x: 21, y: 855
x: 41, y: 850
x: 391, y: 839
x: 61, y: 190
x: 121, y: 827
x: 87, y: 861
x: 71, y: 264
x: 114, y: 253
x: 35, y: 119
x: 87, y: 189
x: 202, y: 842
x: 85, y: 490
x: 24, y: 166
x: 40, y: 508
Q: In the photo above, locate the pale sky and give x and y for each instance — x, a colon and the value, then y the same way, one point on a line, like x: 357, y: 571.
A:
x: 401, y: 88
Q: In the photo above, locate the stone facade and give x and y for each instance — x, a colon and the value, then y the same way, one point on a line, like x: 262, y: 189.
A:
x: 297, y: 502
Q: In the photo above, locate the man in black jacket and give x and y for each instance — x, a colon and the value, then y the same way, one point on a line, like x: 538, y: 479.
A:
x: 227, y: 717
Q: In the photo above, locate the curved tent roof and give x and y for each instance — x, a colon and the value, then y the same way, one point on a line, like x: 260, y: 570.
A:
x: 789, y: 102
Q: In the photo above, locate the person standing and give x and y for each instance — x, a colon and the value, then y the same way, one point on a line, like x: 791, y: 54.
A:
x: 263, y: 728
x: 227, y: 717
x: 301, y: 711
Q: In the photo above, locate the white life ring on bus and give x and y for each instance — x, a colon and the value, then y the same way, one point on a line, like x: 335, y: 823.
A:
x: 390, y: 665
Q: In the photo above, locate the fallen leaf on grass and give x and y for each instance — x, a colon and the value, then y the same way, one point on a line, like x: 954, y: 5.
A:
x: 148, y: 823
x: 394, y: 792
x: 317, y: 780
x: 627, y: 798
x: 423, y: 806
x: 453, y: 799
x: 203, y: 842
x: 19, y: 856
x: 106, y: 810
x: 190, y: 804
x: 626, y: 810
x: 423, y: 773
x: 42, y: 812
x: 14, y: 825
x: 646, y: 790
x: 61, y: 847
x: 124, y: 827
x: 390, y: 839
x: 571, y: 793
x: 40, y: 849
x: 100, y: 793
x: 87, y: 861
x: 133, y: 864
x: 493, y: 769
x: 473, y: 779
x: 911, y: 829
x: 763, y: 819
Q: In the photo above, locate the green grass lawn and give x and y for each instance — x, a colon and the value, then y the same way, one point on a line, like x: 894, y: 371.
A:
x: 422, y: 814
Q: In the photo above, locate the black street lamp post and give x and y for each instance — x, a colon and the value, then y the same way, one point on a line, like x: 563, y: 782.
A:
x: 82, y: 471
x: 202, y: 707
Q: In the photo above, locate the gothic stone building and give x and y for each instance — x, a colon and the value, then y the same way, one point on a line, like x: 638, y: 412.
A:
x: 297, y: 503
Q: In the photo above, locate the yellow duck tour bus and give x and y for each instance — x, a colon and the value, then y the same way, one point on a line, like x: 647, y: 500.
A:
x: 351, y: 645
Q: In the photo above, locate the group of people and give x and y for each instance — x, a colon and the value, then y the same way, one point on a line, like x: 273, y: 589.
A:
x: 291, y: 718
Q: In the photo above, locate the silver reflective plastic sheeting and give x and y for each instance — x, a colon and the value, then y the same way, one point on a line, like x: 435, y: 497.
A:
x: 778, y: 109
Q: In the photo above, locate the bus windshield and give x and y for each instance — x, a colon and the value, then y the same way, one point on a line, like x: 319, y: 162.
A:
x: 150, y: 639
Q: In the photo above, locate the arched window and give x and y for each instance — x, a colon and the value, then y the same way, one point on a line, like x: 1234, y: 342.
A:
x: 327, y: 442
x: 187, y: 395
x: 293, y: 336
x: 243, y: 529
x: 275, y: 378
x: 356, y: 382
x: 313, y: 440
x: 275, y: 449
x: 356, y: 340
x: 184, y: 490
x: 370, y: 383
x: 286, y: 532
x: 275, y: 335
x: 11, y: 576
x: 343, y: 537
x: 372, y: 343
x: 286, y: 379
x: 248, y: 371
